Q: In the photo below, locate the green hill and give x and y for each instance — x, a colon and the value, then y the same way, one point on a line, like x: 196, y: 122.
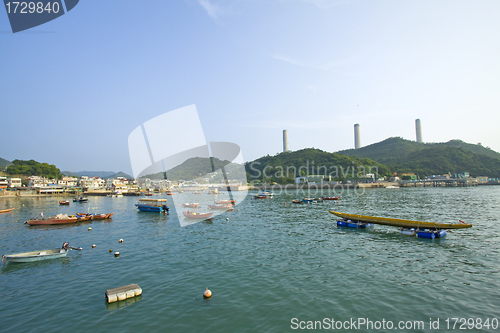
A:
x: 4, y: 164
x: 284, y: 167
x: 33, y: 168
x: 442, y: 159
x: 426, y: 159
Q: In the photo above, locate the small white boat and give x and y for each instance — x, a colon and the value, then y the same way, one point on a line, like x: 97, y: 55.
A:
x: 39, y: 255
x: 408, y: 231
x: 392, y: 186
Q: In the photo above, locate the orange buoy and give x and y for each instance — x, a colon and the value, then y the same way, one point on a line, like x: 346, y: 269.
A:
x: 110, y: 250
x: 207, y: 293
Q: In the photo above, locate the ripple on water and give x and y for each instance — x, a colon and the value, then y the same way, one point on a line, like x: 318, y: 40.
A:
x: 268, y: 264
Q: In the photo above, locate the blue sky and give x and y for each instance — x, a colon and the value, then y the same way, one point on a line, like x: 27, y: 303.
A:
x: 73, y: 89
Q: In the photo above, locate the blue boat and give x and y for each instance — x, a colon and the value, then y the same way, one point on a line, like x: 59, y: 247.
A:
x: 341, y: 223
x: 431, y: 234
x: 153, y: 205
x: 353, y: 224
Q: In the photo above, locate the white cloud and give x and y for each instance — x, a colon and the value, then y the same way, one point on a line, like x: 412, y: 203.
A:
x: 212, y: 10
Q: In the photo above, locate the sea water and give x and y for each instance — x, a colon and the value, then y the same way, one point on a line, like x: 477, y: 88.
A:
x: 271, y: 265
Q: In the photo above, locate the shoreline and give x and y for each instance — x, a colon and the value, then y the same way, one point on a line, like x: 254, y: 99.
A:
x: 287, y: 187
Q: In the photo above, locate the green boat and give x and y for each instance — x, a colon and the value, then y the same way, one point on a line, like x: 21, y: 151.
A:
x: 39, y: 255
x: 400, y: 222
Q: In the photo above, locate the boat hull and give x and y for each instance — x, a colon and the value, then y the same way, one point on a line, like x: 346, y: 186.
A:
x: 400, y: 222
x: 36, y: 255
x: 143, y: 208
x: 50, y: 221
x: 197, y: 216
x: 6, y: 210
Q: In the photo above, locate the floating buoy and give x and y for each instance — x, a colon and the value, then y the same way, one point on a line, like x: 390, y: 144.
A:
x: 207, y: 293
x: 285, y: 203
x: 93, y: 245
x: 120, y: 241
x: 110, y: 250
x: 227, y: 218
x: 117, y: 254
x: 90, y: 228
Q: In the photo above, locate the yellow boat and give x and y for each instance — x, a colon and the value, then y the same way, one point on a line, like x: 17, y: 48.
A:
x: 400, y: 222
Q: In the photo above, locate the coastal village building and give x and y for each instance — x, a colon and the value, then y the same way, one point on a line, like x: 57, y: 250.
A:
x: 15, y: 182
x: 92, y: 183
x: 68, y: 182
x: 4, y: 183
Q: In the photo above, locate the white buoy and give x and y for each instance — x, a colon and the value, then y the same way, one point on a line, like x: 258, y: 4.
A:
x: 90, y: 228
x: 93, y: 245
x: 207, y: 293
x: 120, y: 241
x: 117, y: 254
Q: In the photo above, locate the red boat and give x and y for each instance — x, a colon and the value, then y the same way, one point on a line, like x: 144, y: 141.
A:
x: 225, y: 202
x: 64, y: 202
x: 96, y: 216
x: 191, y: 205
x: 84, y: 218
x: 192, y: 215
x: 59, y: 219
x: 330, y: 198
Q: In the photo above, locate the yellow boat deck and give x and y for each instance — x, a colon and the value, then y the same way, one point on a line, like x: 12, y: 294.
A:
x: 400, y: 222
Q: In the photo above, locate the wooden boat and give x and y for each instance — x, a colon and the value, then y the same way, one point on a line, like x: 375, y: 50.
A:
x: 191, y: 205
x: 225, y: 206
x: 330, y: 198
x: 224, y: 202
x: 193, y: 215
x: 39, y: 255
x: 82, y: 218
x: 297, y: 201
x: 400, y: 222
x: 102, y: 216
x: 153, y: 205
x: 96, y: 216
x: 36, y: 255
x: 64, y: 202
x: 59, y: 219
x: 6, y: 210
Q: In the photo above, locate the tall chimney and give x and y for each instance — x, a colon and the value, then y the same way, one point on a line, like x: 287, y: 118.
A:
x: 285, y: 141
x: 357, y: 140
x: 418, y: 129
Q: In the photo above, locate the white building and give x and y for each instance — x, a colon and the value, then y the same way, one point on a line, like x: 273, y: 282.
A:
x: 92, y: 183
x: 15, y: 182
